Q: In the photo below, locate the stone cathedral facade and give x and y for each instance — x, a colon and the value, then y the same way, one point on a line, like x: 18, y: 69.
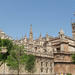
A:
x: 53, y: 54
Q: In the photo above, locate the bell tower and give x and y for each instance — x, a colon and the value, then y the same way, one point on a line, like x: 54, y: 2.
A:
x: 73, y: 26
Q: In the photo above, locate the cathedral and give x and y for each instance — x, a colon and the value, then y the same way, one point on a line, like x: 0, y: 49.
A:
x: 53, y: 54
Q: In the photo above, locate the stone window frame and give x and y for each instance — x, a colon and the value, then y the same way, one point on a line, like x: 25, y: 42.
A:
x: 41, y: 69
x: 36, y: 48
x: 51, y: 66
x: 46, y: 64
x: 58, y: 49
x: 41, y: 64
x: 46, y: 70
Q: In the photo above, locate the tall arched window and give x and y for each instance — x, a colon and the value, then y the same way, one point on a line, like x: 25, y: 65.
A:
x: 41, y: 63
x: 41, y: 69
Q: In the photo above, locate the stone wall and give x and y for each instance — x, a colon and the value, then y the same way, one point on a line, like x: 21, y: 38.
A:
x: 64, y: 68
x: 42, y: 66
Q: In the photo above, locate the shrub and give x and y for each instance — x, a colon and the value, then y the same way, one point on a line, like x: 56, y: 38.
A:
x: 69, y: 74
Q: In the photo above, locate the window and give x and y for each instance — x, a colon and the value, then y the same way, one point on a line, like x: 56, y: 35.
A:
x: 45, y: 50
x: 41, y: 69
x: 35, y: 48
x: 47, y: 70
x: 51, y: 66
x: 41, y: 63
x: 46, y: 64
x: 51, y: 69
x: 73, y: 28
x: 58, y: 49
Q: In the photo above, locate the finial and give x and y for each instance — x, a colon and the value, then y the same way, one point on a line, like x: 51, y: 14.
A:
x: 31, y: 29
x: 61, y: 32
x: 25, y: 39
x: 47, y: 37
x: 40, y: 37
x: 25, y: 36
x: 46, y: 34
x: 31, y: 34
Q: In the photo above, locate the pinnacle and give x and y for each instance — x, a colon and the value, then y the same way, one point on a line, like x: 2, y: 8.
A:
x: 61, y: 31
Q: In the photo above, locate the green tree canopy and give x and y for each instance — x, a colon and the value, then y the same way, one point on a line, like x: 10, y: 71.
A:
x: 73, y: 58
x: 69, y: 74
x: 5, y: 43
x: 30, y: 63
x: 19, y: 58
x: 16, y: 56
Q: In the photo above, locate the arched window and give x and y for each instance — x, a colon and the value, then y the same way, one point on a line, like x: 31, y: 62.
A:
x: 41, y: 69
x: 47, y: 70
x: 46, y: 64
x: 35, y: 48
x: 51, y: 66
x: 58, y: 49
x: 41, y: 63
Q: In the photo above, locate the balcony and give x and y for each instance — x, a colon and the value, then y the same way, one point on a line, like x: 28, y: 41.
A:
x: 48, y: 55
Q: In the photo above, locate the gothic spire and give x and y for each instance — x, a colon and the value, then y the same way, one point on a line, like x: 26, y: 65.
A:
x: 31, y: 29
x: 61, y: 33
x: 25, y: 39
x: 40, y: 38
x: 25, y: 36
x: 47, y: 37
x: 73, y: 26
x: 31, y: 34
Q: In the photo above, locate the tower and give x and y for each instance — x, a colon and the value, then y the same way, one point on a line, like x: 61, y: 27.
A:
x: 31, y: 34
x: 73, y: 26
x: 73, y: 30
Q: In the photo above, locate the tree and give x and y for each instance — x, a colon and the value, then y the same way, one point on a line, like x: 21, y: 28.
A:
x: 73, y: 58
x: 30, y: 63
x: 16, y: 58
x: 8, y: 44
x: 0, y: 42
x: 5, y: 44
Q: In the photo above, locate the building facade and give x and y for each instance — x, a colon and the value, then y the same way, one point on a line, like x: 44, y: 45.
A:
x: 53, y: 54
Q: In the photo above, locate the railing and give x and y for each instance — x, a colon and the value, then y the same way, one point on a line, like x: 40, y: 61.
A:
x: 40, y: 54
x: 27, y: 74
x: 36, y: 74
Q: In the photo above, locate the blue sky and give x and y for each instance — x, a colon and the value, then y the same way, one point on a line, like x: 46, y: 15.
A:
x: 44, y: 15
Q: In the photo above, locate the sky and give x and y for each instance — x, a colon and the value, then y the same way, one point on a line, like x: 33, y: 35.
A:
x: 46, y: 16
